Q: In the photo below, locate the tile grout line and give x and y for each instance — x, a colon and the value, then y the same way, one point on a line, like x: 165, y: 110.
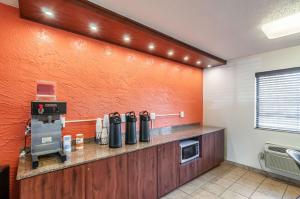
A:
x: 214, y: 176
x: 236, y: 182
x: 285, y: 191
x: 229, y: 186
x: 206, y: 181
x: 267, y: 176
x: 183, y: 190
x: 257, y: 187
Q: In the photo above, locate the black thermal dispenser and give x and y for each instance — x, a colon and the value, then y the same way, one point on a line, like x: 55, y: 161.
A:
x: 115, y: 134
x: 130, y: 133
x: 144, y: 126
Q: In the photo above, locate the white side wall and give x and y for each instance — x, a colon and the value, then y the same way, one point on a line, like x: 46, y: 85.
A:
x: 229, y: 100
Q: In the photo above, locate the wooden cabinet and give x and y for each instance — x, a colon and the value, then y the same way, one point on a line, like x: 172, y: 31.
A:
x: 208, y: 151
x: 68, y: 183
x: 107, y: 178
x: 73, y: 182
x: 47, y: 186
x: 219, y: 147
x: 168, y: 167
x: 188, y: 171
x: 200, y: 169
x: 192, y: 169
x: 212, y: 149
x: 142, y: 174
x: 148, y: 173
x: 212, y: 155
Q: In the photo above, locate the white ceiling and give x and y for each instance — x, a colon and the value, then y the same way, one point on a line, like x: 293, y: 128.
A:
x: 226, y: 28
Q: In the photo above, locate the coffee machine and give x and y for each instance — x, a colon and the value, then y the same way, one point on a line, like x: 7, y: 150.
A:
x: 46, y: 135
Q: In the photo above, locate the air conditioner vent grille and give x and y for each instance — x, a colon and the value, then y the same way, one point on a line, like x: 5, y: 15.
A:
x: 277, y: 149
x: 277, y: 159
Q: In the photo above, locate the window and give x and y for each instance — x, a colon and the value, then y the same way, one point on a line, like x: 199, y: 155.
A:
x: 278, y: 100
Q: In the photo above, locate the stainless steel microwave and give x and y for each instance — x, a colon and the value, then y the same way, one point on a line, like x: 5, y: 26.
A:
x: 189, y: 150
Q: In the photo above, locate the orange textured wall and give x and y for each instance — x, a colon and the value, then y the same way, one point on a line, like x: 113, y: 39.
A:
x: 93, y: 77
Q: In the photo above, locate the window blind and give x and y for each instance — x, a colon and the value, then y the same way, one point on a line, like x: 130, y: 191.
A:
x: 278, y: 100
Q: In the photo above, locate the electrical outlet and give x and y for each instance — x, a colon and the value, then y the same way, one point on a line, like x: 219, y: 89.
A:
x: 152, y: 116
x: 181, y: 114
x: 63, y: 121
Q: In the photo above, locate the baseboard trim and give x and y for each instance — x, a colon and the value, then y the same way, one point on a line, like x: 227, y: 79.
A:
x: 265, y: 173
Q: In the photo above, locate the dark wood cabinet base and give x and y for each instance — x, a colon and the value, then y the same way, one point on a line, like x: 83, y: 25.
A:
x: 168, y: 168
x: 107, y: 178
x: 68, y: 183
x: 149, y: 173
x: 142, y: 172
x: 212, y: 155
x: 189, y: 171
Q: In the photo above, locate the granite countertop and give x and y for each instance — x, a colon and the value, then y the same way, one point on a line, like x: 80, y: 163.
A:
x: 93, y: 152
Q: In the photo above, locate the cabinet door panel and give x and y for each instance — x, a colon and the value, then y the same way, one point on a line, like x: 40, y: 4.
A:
x: 107, y: 178
x: 208, y: 151
x: 142, y: 174
x: 74, y: 182
x: 200, y: 169
x: 219, y: 147
x: 168, y: 167
x: 47, y: 186
x: 188, y: 171
x: 68, y: 183
x: 199, y: 166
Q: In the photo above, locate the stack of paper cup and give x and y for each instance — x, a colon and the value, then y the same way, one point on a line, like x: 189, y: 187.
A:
x: 67, y: 143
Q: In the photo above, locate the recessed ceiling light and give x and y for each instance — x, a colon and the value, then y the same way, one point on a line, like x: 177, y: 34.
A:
x: 208, y: 66
x: 186, y: 58
x: 198, y: 62
x: 151, y: 46
x: 48, y: 12
x: 170, y: 53
x: 282, y: 27
x: 93, y: 27
x: 126, y: 38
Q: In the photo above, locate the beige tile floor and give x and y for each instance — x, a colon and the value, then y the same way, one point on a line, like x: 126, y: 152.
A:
x: 232, y: 182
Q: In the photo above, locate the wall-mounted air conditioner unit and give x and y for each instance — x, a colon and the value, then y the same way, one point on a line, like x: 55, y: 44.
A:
x: 276, y: 159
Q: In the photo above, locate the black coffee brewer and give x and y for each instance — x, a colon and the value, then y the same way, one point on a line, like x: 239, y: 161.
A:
x: 115, y: 133
x: 144, y: 126
x: 130, y: 133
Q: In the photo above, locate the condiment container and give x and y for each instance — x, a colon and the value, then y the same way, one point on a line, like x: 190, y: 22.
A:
x: 79, y: 141
x: 67, y: 143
